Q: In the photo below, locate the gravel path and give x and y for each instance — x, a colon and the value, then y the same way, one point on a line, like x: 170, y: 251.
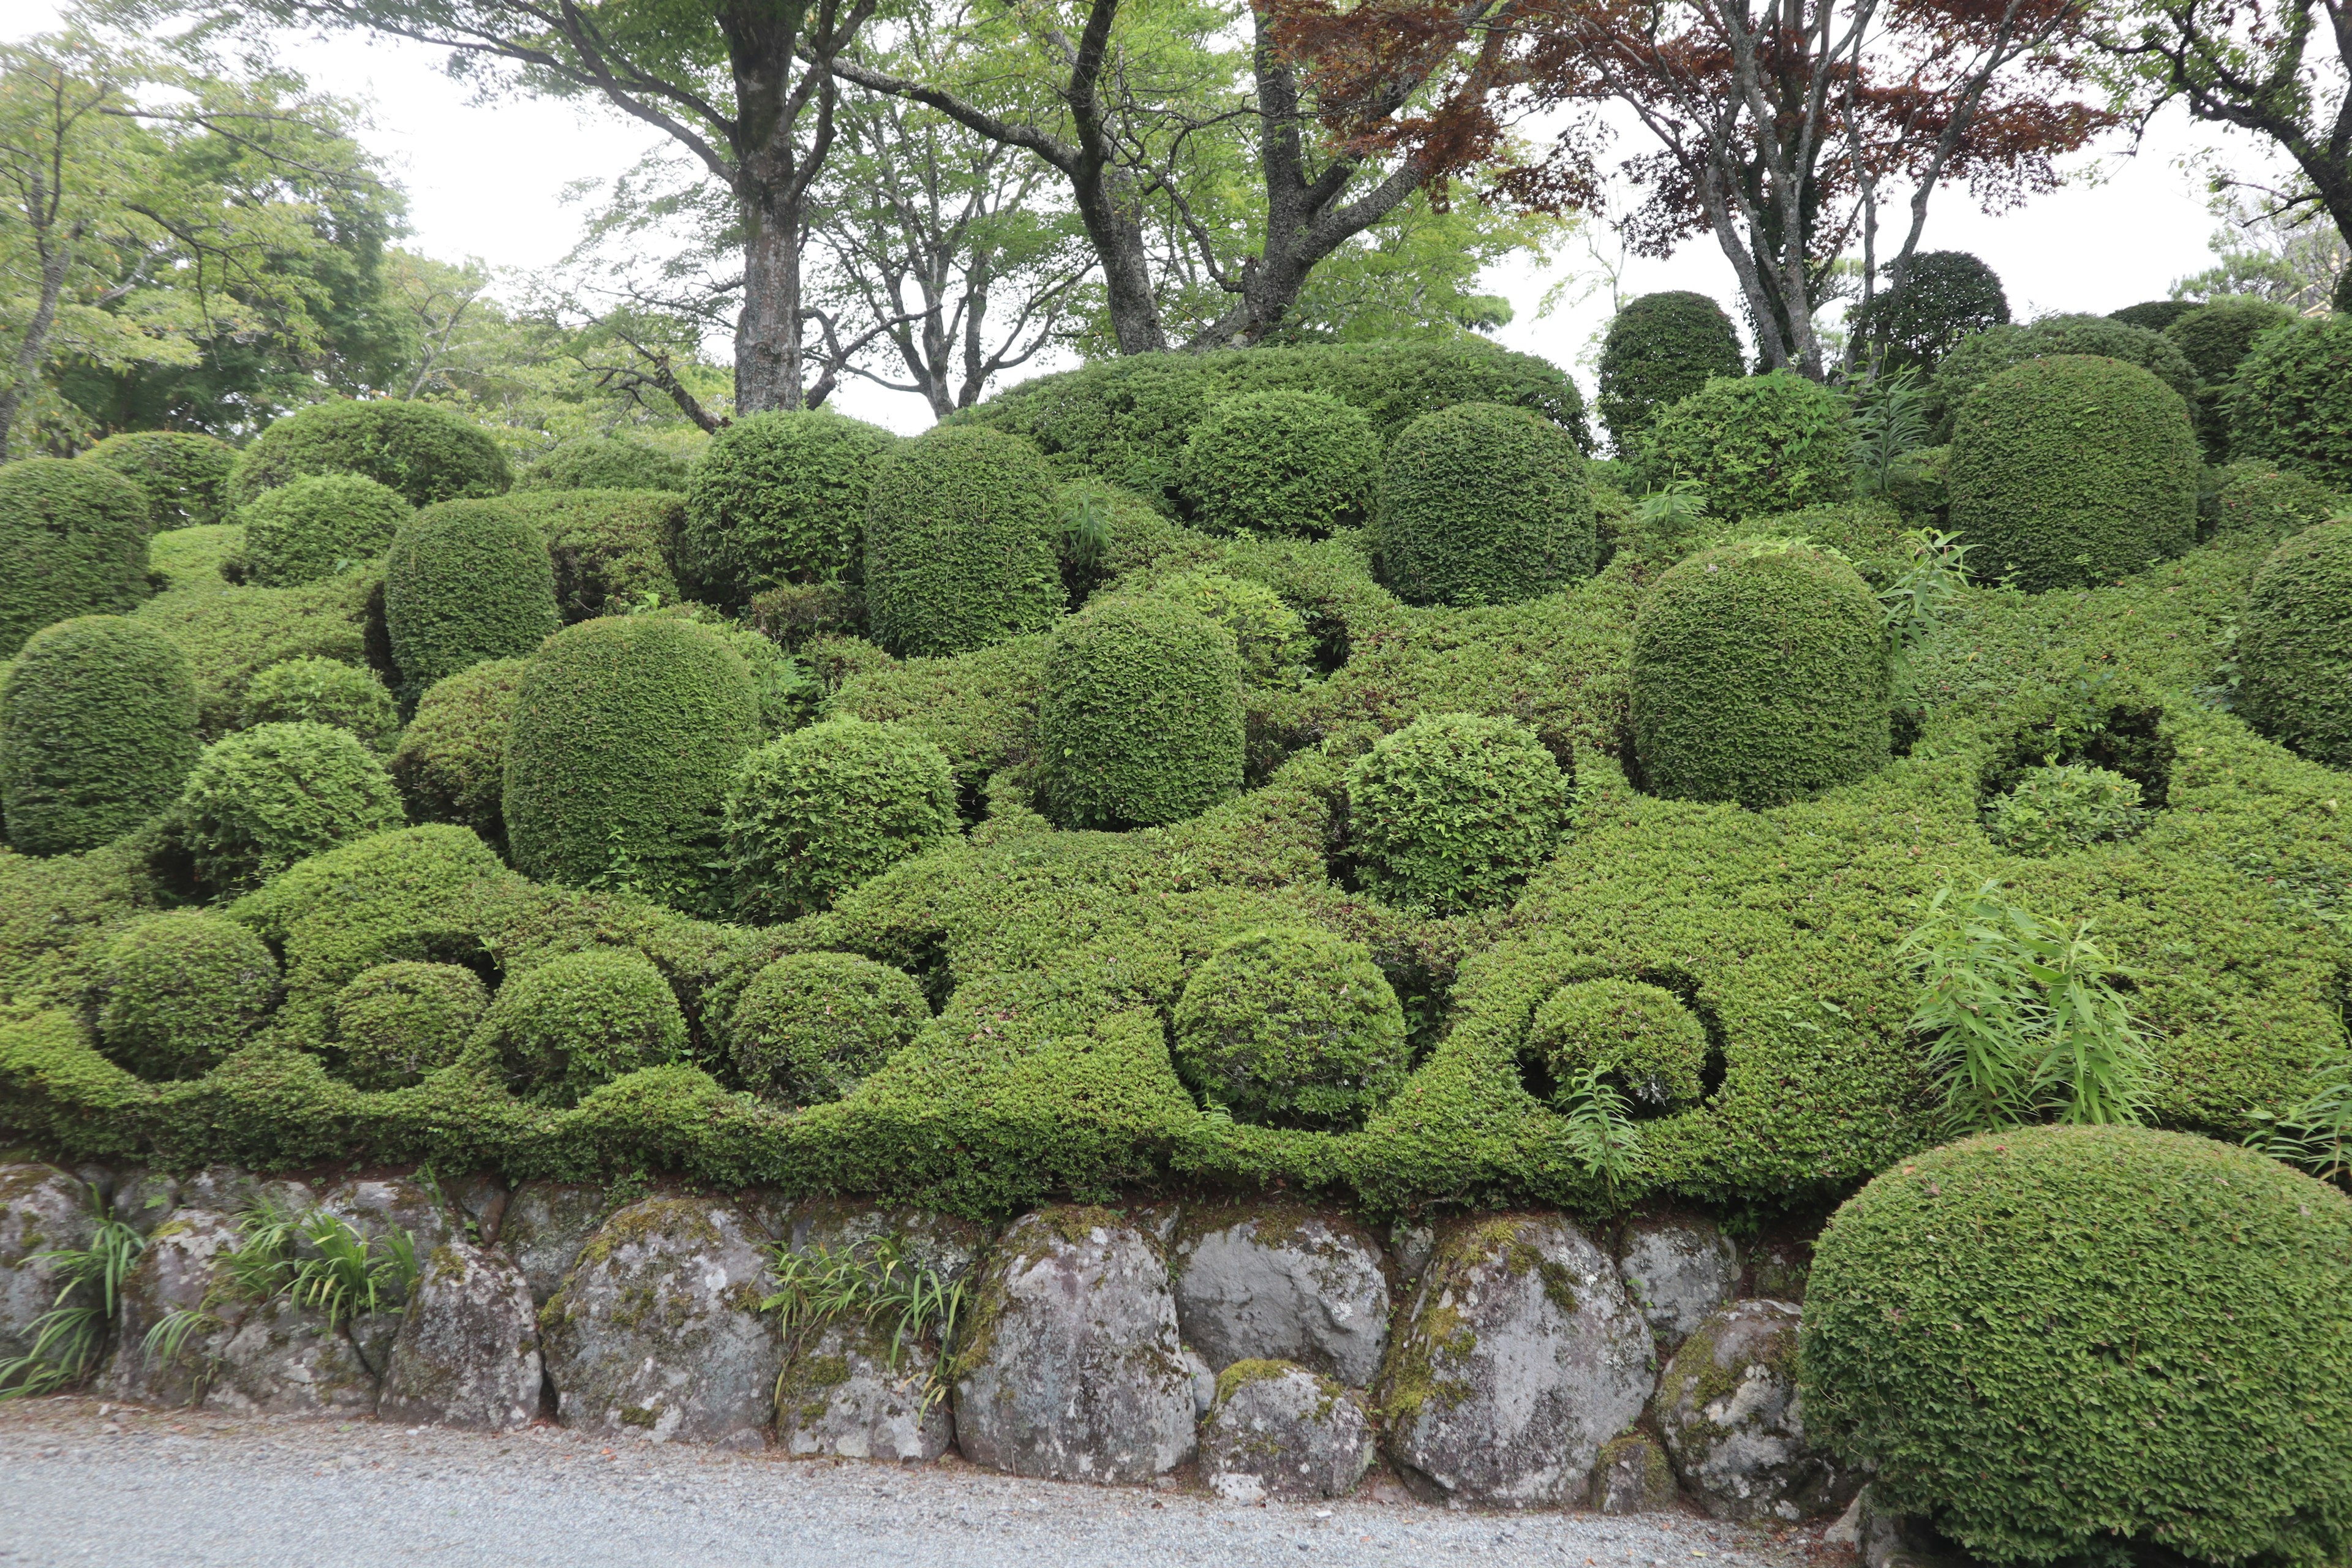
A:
x: 86, y: 1483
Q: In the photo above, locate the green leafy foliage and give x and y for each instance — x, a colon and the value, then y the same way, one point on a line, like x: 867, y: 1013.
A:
x: 425, y: 452
x: 2315, y: 1132
x: 98, y: 732
x: 2066, y: 805
x: 561, y: 1028
x: 318, y: 526
x: 961, y: 532
x: 69, y: 1340
x: 780, y: 498
x: 2258, y: 504
x: 876, y: 1285
x: 1890, y: 422
x: 1649, y: 1049
x: 1601, y: 1134
x: 817, y: 812
x: 2216, y: 336
x: 73, y: 542
x: 811, y: 1026
x: 320, y: 1261
x: 606, y: 462
x: 1270, y: 636
x: 175, y: 993
x: 1279, y: 462
x: 1946, y: 296
x: 323, y: 691
x: 397, y: 1022
x: 1979, y: 357
x: 2294, y: 664
x: 1755, y: 445
x: 230, y: 633
x: 465, y: 583
x: 262, y: 799
x: 1454, y: 811
x: 451, y: 762
x: 185, y: 474
x: 2155, y: 315
x: 2291, y: 401
x: 1483, y: 504
x: 1291, y: 1027
x: 1659, y: 349
x: 610, y: 549
x: 1141, y: 719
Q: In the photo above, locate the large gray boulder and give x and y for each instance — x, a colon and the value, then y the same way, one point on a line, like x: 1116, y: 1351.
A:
x: 144, y: 1199
x: 1727, y: 1408
x: 840, y: 1395
x: 1677, y: 1270
x: 1519, y: 1358
x: 467, y: 1353
x: 1278, y: 1430
x: 1633, y: 1476
x: 180, y: 1271
x: 1073, y: 1368
x: 544, y: 1228
x: 229, y: 1190
x: 657, y: 1330
x: 1279, y: 1282
x: 42, y: 1209
x: 287, y: 1360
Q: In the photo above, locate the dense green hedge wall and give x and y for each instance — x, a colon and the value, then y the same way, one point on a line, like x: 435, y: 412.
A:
x: 427, y: 454
x: 97, y: 730
x: 1946, y: 296
x: 1291, y: 1027
x: 815, y: 812
x: 811, y: 1026
x: 73, y: 539
x: 317, y: 526
x: 2291, y: 400
x: 1659, y: 349
x: 1279, y: 462
x: 780, y: 498
x: 1140, y: 722
x: 325, y: 692
x: 261, y: 799
x: 1454, y: 812
x: 1483, y: 504
x: 606, y: 463
x: 959, y: 543
x: 465, y: 583
x: 2295, y: 644
x: 1977, y: 359
x: 1756, y: 445
x: 186, y: 475
x: 611, y: 549
x: 451, y: 762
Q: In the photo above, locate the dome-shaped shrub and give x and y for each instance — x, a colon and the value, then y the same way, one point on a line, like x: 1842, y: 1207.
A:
x: 465, y: 584
x: 1454, y: 811
x: 2071, y: 471
x: 625, y: 737
x: 2065, y: 806
x: 606, y: 463
x: 611, y: 549
x: 810, y: 816
x: 1483, y: 504
x: 451, y: 763
x: 2291, y: 401
x: 787, y: 696
x: 73, y: 542
x: 178, y: 992
x: 186, y: 475
x: 397, y: 1022
x: 780, y: 498
x: 427, y: 454
x: 2258, y: 504
x: 2295, y: 644
x: 1946, y: 296
x: 812, y: 1025
x: 1292, y: 1027
x: 2061, y: 1342
x: 317, y: 525
x: 563, y: 1027
x: 1638, y: 1033
x: 1272, y: 638
x: 2155, y: 315
x: 1279, y: 462
x: 1980, y: 356
x: 1761, y: 444
x: 262, y: 799
x: 1759, y: 674
x: 2215, y: 338
x: 1661, y: 349
x: 324, y: 691
x: 1141, y: 719
x: 98, y: 732
x: 959, y: 543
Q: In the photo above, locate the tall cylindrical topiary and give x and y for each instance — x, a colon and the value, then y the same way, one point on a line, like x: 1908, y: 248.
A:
x: 425, y: 453
x: 2295, y: 644
x: 606, y: 463
x: 317, y: 525
x: 780, y: 498
x: 262, y: 799
x: 98, y: 732
x: 2073, y: 471
x: 1141, y: 722
x: 451, y: 763
x: 177, y: 991
x: 1453, y: 812
x: 814, y: 814
x: 959, y: 543
x: 1661, y: 349
x: 1754, y: 446
x: 465, y: 581
x: 1483, y: 504
x: 1945, y: 295
x: 2291, y: 400
x: 1759, y: 674
x: 1294, y: 1028
x: 1279, y: 462
x: 186, y: 475
x: 73, y: 542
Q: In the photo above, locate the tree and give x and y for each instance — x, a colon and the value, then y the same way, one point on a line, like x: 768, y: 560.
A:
x: 2295, y: 257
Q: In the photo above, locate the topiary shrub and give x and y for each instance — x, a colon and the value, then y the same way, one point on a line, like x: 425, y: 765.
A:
x: 1483, y: 504
x: 1279, y: 462
x: 1977, y: 359
x: 959, y: 543
x: 561, y: 1028
x: 2295, y: 644
x: 425, y: 453
x: 2071, y: 471
x: 780, y: 498
x: 463, y: 584
x: 813, y: 1025
x: 317, y: 526
x: 73, y: 542
x: 1759, y: 674
x: 1291, y: 1028
x: 788, y: 695
x: 2064, y: 805
x: 1756, y: 445
x: 606, y: 462
x: 1454, y: 811
x: 1141, y: 722
x: 262, y: 799
x: 232, y: 634
x: 176, y: 993
x: 2258, y: 504
x: 814, y: 813
x: 1638, y: 1035
x: 397, y: 1022
x: 2291, y: 401
x: 1661, y: 349
x: 611, y: 549
x: 1272, y: 638
x: 2215, y: 338
x: 2154, y: 315
x: 322, y: 692
x: 2152, y: 1329
x: 98, y: 732
x: 451, y: 760
x: 1945, y: 295
x: 186, y: 475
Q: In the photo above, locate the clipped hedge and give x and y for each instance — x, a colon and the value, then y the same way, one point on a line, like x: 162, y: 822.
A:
x: 605, y: 462
x: 1639, y: 1035
x: 1659, y: 349
x: 1141, y: 722
x: 780, y: 498
x: 262, y: 799
x: 1754, y: 447
x: 1483, y: 504
x: 561, y: 1029
x: 2153, y: 314
x: 2215, y: 338
x: 813, y: 1025
x: 73, y: 542
x: 451, y: 762
x: 1291, y: 1027
x: 1279, y: 462
x: 1945, y: 295
x: 2257, y: 504
x: 176, y: 993
x: 185, y: 474
x: 2295, y: 644
x: 98, y: 732
x: 465, y: 584
x: 398, y: 1022
x: 1977, y: 359
x: 1454, y: 811
x: 318, y: 526
x: 324, y: 691
x: 232, y: 634
x: 425, y: 453
x: 611, y: 549
x: 2291, y: 400
x: 814, y: 813
x: 959, y: 543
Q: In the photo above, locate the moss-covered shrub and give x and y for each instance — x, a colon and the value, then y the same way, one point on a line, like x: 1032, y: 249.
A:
x: 819, y: 811
x: 262, y: 799
x: 1279, y: 462
x: 1272, y: 638
x: 1946, y: 296
x: 2295, y: 644
x: 2258, y: 504
x: 2155, y: 315
x: 1759, y: 674
x: 959, y: 543
x: 98, y: 732
x: 1754, y: 447
x: 1483, y: 504
x: 451, y: 762
x: 73, y: 542
x: 2064, y: 805
x: 611, y: 549
x: 465, y: 584
x: 563, y: 1027
x: 1291, y: 1027
x: 317, y: 526
x: 178, y: 992
x: 2152, y: 1329
x: 1661, y: 348
x: 1454, y: 811
x: 2291, y: 401
x: 780, y: 498
x: 1639, y: 1034
x: 1979, y: 357
x: 1141, y: 720
x: 606, y: 463
x: 425, y: 453
x: 2070, y: 471
x: 397, y: 1022
x: 813, y: 1025
x: 323, y: 691
x: 186, y: 475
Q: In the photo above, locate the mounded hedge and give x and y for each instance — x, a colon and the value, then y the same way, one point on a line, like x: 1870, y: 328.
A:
x: 1756, y: 445
x: 232, y: 634
x: 451, y: 762
x: 1291, y: 1027
x: 561, y: 1028
x: 317, y: 526
x: 465, y: 584
x: 2258, y: 504
x: 261, y: 799
x: 397, y: 1022
x: 1270, y: 636
x: 2215, y: 338
x: 98, y: 732
x: 2155, y: 315
x: 1483, y: 504
x: 780, y: 498
x: 611, y: 549
x: 176, y: 993
x: 425, y: 453
x: 2291, y: 400
x: 1659, y: 349
x: 1141, y: 722
x: 1279, y: 462
x: 1639, y: 1035
x: 73, y: 542
x: 1454, y: 811
x: 185, y: 474
x: 961, y: 531
x: 2295, y: 644
x: 813, y: 1025
x: 1945, y: 295
x: 814, y: 814
x: 1977, y: 358
x: 605, y: 462
x: 325, y: 692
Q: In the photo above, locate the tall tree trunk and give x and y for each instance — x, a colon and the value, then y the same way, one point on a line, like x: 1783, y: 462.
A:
x: 768, y: 331
x: 55, y: 261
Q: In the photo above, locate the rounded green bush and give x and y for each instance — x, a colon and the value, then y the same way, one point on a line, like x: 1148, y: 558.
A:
x: 463, y: 584
x: 2151, y: 1332
x: 625, y: 734
x: 2215, y: 337
x: 178, y: 992
x: 1980, y: 356
x: 1756, y: 445
x: 961, y: 531
x: 813, y: 814
x: 787, y: 696
x: 98, y: 732
x: 1483, y: 504
x: 1759, y: 674
x: 2295, y: 644
x: 1292, y: 1028
x: 2261, y: 505
x: 780, y: 498
x: 259, y: 800
x: 2071, y: 471
x: 1272, y: 638
x: 2063, y: 807
x: 1946, y: 296
x: 73, y: 542
x: 611, y: 549
x: 1639, y: 1035
x: 397, y: 1022
x: 323, y: 691
x: 186, y: 475
x: 451, y: 762
x: 1454, y: 811
x: 1661, y: 349
x: 2153, y: 314
x: 563, y: 1027
x: 317, y: 526
x: 813, y: 1025
x: 606, y: 463
x: 1279, y: 462
x: 2291, y: 400
x: 1141, y: 722
x: 425, y: 453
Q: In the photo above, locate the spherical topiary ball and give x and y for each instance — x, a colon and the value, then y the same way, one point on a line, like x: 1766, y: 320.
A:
x: 178, y: 992
x: 564, y: 1027
x: 1754, y: 446
x: 1945, y: 296
x: 1272, y: 638
x: 259, y: 800
x: 1661, y: 348
x: 1292, y: 1028
x: 813, y: 1026
x: 2295, y: 644
x: 780, y: 498
x: 465, y: 583
x: 1141, y: 722
x: 425, y: 453
x: 451, y: 763
x: 2291, y: 400
x: 186, y: 475
x: 1483, y: 504
x: 960, y: 533
x: 317, y: 526
x: 2216, y: 336
x: 2258, y: 504
x: 2065, y: 806
x: 98, y: 732
x: 1639, y: 1035
x: 814, y: 814
x: 323, y: 691
x: 606, y: 463
x: 1279, y: 462
x: 73, y: 542
x: 1759, y: 674
x: 397, y: 1022
x: 2150, y: 1330
x: 1454, y: 811
x: 2071, y: 471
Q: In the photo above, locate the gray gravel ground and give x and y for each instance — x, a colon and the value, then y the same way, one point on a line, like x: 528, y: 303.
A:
x: 86, y: 1483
